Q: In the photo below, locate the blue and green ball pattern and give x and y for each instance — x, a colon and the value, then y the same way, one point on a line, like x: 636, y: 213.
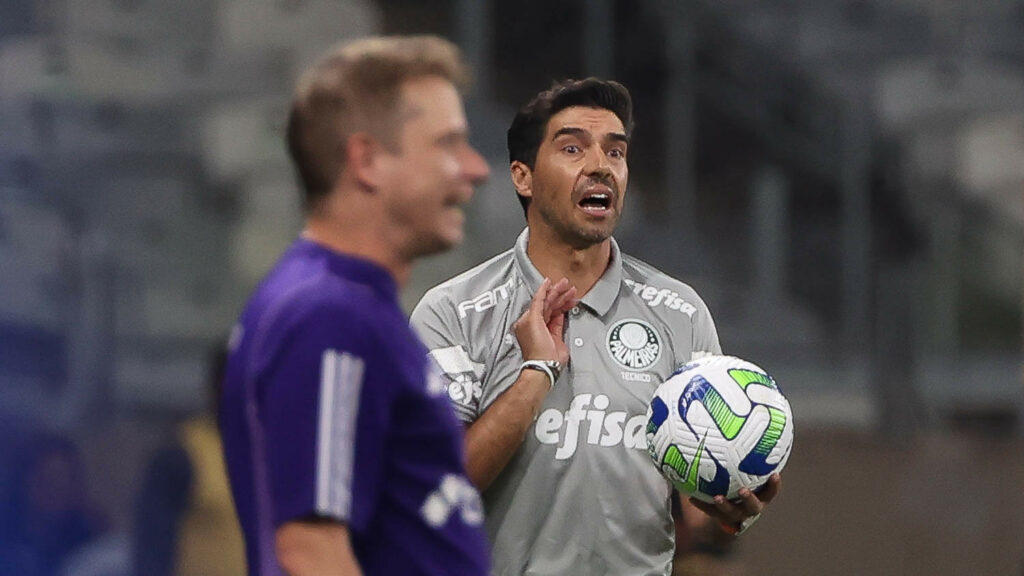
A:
x: 681, y: 448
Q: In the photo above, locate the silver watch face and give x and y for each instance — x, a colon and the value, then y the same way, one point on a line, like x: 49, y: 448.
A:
x: 555, y: 367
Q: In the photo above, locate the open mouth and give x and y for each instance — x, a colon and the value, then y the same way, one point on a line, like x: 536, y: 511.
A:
x: 596, y: 202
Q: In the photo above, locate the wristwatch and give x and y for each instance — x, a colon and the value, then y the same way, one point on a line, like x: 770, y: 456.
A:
x: 553, y: 368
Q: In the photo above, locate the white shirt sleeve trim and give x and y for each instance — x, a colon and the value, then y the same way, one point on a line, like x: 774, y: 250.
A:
x: 341, y: 381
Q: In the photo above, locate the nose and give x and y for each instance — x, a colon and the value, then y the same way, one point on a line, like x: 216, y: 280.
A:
x: 474, y: 167
x: 597, y: 161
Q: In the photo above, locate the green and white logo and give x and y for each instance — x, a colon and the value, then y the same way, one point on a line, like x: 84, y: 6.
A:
x: 634, y: 344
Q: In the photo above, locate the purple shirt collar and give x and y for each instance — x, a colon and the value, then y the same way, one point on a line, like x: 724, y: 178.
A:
x: 354, y: 268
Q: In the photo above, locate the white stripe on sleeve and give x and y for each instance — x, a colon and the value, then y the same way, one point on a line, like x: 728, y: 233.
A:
x: 341, y: 381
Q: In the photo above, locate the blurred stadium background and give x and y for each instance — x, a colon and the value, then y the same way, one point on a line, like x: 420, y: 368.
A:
x: 842, y: 180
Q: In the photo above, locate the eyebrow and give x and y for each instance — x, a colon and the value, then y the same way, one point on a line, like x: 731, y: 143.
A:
x: 453, y: 135
x: 573, y: 131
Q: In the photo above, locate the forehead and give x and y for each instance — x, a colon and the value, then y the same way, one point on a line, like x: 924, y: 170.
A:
x: 597, y: 121
x: 431, y: 103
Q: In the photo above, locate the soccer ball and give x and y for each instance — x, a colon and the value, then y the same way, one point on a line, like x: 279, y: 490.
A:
x: 717, y: 425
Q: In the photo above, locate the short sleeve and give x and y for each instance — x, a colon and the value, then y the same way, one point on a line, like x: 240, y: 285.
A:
x: 434, y: 320
x: 323, y: 419
x: 705, y: 335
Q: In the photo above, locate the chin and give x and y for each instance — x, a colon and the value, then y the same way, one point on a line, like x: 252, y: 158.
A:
x: 453, y: 235
x: 596, y: 231
x: 441, y: 242
x: 451, y: 241
x: 595, y: 235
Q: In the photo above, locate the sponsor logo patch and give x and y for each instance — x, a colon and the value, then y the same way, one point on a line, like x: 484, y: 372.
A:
x: 654, y: 297
x: 435, y: 382
x: 485, y: 301
x: 588, y: 420
x: 464, y: 375
x: 634, y: 344
x: 453, y: 495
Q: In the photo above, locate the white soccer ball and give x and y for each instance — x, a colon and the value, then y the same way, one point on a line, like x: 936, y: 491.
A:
x: 717, y: 425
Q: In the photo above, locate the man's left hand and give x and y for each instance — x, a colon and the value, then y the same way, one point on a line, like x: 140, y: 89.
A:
x: 732, y: 513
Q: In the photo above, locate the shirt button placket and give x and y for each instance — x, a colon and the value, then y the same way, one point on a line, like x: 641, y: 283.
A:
x: 575, y: 313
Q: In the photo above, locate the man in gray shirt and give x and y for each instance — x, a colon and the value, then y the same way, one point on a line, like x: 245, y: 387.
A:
x: 553, y: 378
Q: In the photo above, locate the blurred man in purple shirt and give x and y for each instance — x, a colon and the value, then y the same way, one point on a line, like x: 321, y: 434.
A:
x: 343, y: 451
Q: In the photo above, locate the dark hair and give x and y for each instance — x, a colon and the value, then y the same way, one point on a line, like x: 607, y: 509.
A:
x: 356, y: 87
x: 528, y: 127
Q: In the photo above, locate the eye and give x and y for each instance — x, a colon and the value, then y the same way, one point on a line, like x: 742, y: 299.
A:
x: 618, y: 153
x: 452, y: 140
x: 572, y: 149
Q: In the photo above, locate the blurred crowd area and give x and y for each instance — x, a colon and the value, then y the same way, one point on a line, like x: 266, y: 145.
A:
x: 841, y: 180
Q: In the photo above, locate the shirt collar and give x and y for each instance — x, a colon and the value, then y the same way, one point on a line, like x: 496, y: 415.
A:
x: 353, y: 268
x: 601, y: 296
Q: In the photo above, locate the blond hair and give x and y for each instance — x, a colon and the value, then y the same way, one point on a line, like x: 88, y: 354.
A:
x: 356, y: 87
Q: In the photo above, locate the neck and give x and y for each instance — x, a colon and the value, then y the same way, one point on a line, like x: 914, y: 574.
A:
x: 359, y: 238
x: 555, y: 259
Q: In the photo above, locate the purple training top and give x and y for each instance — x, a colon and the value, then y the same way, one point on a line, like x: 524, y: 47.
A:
x: 331, y: 410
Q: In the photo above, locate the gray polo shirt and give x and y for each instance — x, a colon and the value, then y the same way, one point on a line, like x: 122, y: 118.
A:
x: 581, y: 496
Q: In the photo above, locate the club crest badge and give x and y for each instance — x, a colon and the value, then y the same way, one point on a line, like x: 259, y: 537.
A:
x: 634, y: 344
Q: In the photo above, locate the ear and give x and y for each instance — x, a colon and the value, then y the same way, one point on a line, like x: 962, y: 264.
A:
x: 522, y: 178
x: 362, y: 160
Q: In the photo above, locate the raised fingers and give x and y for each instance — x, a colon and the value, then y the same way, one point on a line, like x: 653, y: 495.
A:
x: 538, y: 305
x: 560, y: 298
